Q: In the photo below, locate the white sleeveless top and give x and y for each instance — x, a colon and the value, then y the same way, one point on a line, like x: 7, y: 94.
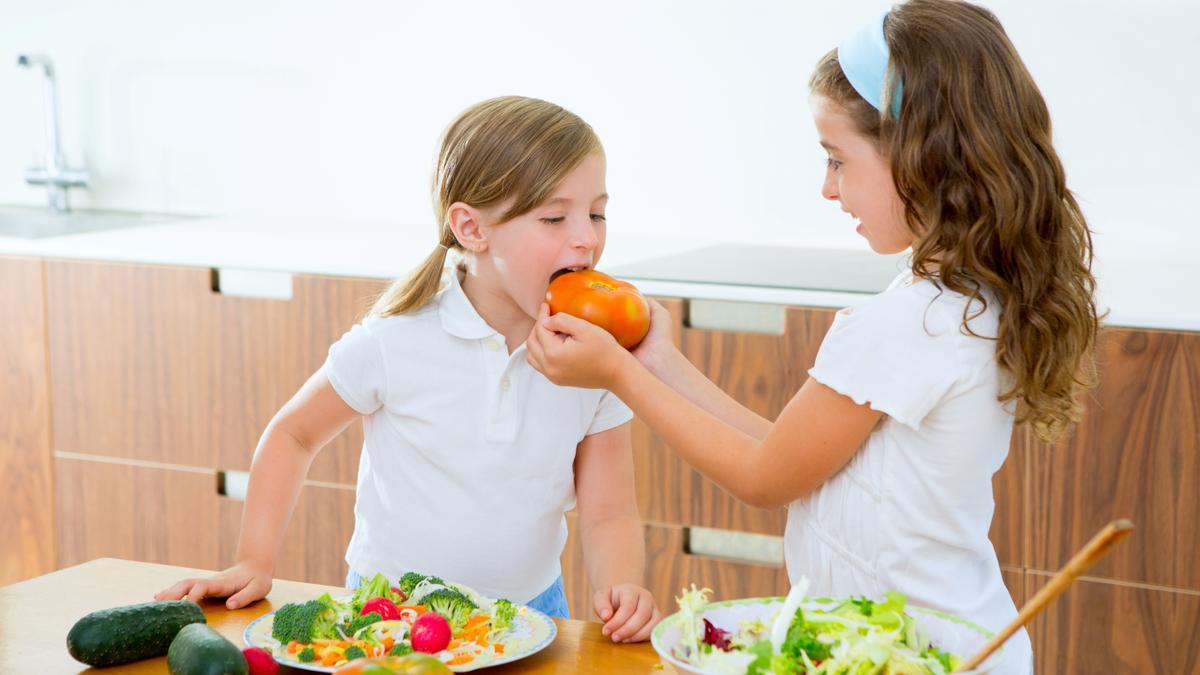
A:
x: 911, y: 511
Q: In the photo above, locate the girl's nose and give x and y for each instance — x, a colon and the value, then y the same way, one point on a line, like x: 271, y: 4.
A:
x: 585, y: 237
x: 829, y: 187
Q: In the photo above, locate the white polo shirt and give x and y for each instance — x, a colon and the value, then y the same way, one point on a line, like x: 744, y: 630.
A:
x: 468, y: 452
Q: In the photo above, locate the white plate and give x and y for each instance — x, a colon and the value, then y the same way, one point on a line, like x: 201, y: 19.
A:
x: 948, y: 633
x: 531, y: 632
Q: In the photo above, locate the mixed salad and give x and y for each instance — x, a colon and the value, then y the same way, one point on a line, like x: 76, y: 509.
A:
x: 421, y: 613
x: 853, y: 637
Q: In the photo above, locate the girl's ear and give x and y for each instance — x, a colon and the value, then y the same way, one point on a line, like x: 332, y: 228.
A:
x: 466, y: 222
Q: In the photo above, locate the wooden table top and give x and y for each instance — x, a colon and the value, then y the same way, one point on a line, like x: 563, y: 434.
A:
x: 35, y: 616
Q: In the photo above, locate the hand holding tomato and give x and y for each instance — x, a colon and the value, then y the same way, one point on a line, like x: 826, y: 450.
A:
x: 572, y: 352
x: 614, y: 305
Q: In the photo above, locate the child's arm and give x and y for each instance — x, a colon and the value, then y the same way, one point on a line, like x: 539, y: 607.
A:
x: 610, y: 530
x: 816, y: 434
x: 658, y: 354
x: 312, y: 418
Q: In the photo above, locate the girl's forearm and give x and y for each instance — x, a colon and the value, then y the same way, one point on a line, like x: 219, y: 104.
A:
x: 723, y: 451
x: 276, y: 477
x: 614, y: 552
x: 681, y: 375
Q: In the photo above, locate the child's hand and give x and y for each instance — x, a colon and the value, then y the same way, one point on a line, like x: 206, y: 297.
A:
x: 572, y: 352
x: 243, y: 584
x: 656, y: 347
x: 628, y: 612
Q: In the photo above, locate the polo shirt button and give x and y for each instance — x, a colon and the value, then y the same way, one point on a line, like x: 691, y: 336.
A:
x: 492, y: 344
x: 505, y: 383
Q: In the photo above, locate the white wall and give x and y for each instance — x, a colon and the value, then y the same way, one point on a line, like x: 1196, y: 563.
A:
x: 333, y: 109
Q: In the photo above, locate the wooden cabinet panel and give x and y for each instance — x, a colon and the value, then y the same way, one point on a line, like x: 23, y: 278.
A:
x: 1098, y: 627
x: 266, y: 349
x: 113, y: 510
x: 131, y: 356
x: 149, y: 363
x: 314, y: 546
x: 1135, y: 455
x: 575, y: 581
x: 1008, y: 533
x: 25, y: 462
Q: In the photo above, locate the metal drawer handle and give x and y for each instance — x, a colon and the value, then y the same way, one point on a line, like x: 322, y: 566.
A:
x: 233, y: 484
x: 744, y: 547
x: 252, y: 283
x: 730, y: 315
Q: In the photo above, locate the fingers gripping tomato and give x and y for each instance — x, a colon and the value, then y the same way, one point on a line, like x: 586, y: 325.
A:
x: 616, y: 306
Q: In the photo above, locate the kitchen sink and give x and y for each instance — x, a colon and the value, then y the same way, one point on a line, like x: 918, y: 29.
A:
x: 37, y: 223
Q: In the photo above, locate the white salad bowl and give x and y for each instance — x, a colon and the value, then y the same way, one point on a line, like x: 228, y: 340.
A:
x: 949, y: 633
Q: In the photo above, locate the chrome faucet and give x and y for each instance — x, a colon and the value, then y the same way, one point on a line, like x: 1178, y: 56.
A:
x: 54, y: 174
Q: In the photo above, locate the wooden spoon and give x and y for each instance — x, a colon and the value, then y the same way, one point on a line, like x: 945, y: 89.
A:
x: 1085, y: 558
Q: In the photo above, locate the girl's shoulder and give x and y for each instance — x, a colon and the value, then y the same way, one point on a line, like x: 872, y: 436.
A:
x: 923, y: 308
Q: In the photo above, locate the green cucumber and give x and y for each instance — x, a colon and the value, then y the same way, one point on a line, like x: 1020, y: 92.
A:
x: 200, y: 650
x: 122, y: 634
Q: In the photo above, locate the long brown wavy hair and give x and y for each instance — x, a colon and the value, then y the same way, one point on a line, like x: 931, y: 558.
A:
x: 510, y: 148
x: 985, y: 195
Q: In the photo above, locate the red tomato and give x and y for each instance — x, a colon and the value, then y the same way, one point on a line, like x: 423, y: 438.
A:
x: 259, y: 661
x: 386, y: 608
x: 430, y: 633
x: 616, y: 306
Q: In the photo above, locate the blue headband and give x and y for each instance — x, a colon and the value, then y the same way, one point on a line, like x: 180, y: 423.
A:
x: 864, y: 59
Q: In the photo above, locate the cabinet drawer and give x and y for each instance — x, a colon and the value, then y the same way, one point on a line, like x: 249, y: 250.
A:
x: 112, y: 510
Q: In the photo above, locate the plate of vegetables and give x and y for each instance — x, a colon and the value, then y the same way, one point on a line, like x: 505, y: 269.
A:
x: 818, y: 636
x: 420, y: 614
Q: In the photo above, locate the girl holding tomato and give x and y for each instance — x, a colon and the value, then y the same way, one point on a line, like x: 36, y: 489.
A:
x: 939, y: 141
x: 470, y: 457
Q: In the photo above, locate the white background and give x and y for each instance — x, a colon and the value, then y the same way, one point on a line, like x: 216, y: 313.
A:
x: 332, y: 110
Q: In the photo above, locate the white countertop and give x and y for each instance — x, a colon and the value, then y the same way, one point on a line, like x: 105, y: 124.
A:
x: 1141, y: 293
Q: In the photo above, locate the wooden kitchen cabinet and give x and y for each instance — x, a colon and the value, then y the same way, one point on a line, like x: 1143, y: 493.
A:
x: 155, y: 365
x: 111, y: 509
x: 26, y: 474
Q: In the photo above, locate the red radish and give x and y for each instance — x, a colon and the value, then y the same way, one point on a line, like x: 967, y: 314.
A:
x: 400, y: 594
x: 386, y: 608
x: 260, y: 661
x: 430, y: 633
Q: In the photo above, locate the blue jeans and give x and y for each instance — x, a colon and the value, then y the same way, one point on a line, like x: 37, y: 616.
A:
x: 552, y: 601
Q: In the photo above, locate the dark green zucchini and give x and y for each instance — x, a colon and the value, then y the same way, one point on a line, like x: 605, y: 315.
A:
x: 200, y: 650
x: 108, y: 637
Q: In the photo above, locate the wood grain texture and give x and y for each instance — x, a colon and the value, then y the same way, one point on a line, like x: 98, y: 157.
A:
x: 149, y: 363
x: 26, y: 474
x: 1009, y: 491
x: 266, y: 349
x: 1135, y: 455
x: 131, y: 361
x: 108, y: 509
x: 1098, y: 627
x: 314, y: 546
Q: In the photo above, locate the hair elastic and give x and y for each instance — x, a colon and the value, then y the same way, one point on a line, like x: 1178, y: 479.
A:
x: 863, y: 57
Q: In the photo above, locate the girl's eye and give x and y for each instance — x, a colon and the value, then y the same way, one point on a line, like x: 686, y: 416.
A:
x: 833, y: 163
x: 554, y: 220
x: 599, y: 217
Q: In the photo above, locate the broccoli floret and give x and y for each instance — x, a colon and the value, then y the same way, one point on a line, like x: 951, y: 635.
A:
x: 502, y: 614
x: 377, y: 587
x: 400, y: 649
x: 304, y: 622
x: 410, y: 580
x: 307, y: 655
x: 354, y: 652
x: 451, y: 604
x: 360, y: 621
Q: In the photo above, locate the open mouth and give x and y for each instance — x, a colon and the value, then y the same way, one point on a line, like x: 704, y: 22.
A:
x: 565, y: 270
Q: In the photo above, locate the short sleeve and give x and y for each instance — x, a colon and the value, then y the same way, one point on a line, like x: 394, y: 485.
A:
x: 611, y: 412
x: 896, y: 353
x: 356, y: 369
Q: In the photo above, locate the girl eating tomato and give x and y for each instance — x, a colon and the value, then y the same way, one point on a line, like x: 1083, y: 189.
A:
x: 470, y: 457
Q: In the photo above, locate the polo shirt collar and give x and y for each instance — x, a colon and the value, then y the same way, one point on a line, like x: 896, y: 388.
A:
x: 458, y: 315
